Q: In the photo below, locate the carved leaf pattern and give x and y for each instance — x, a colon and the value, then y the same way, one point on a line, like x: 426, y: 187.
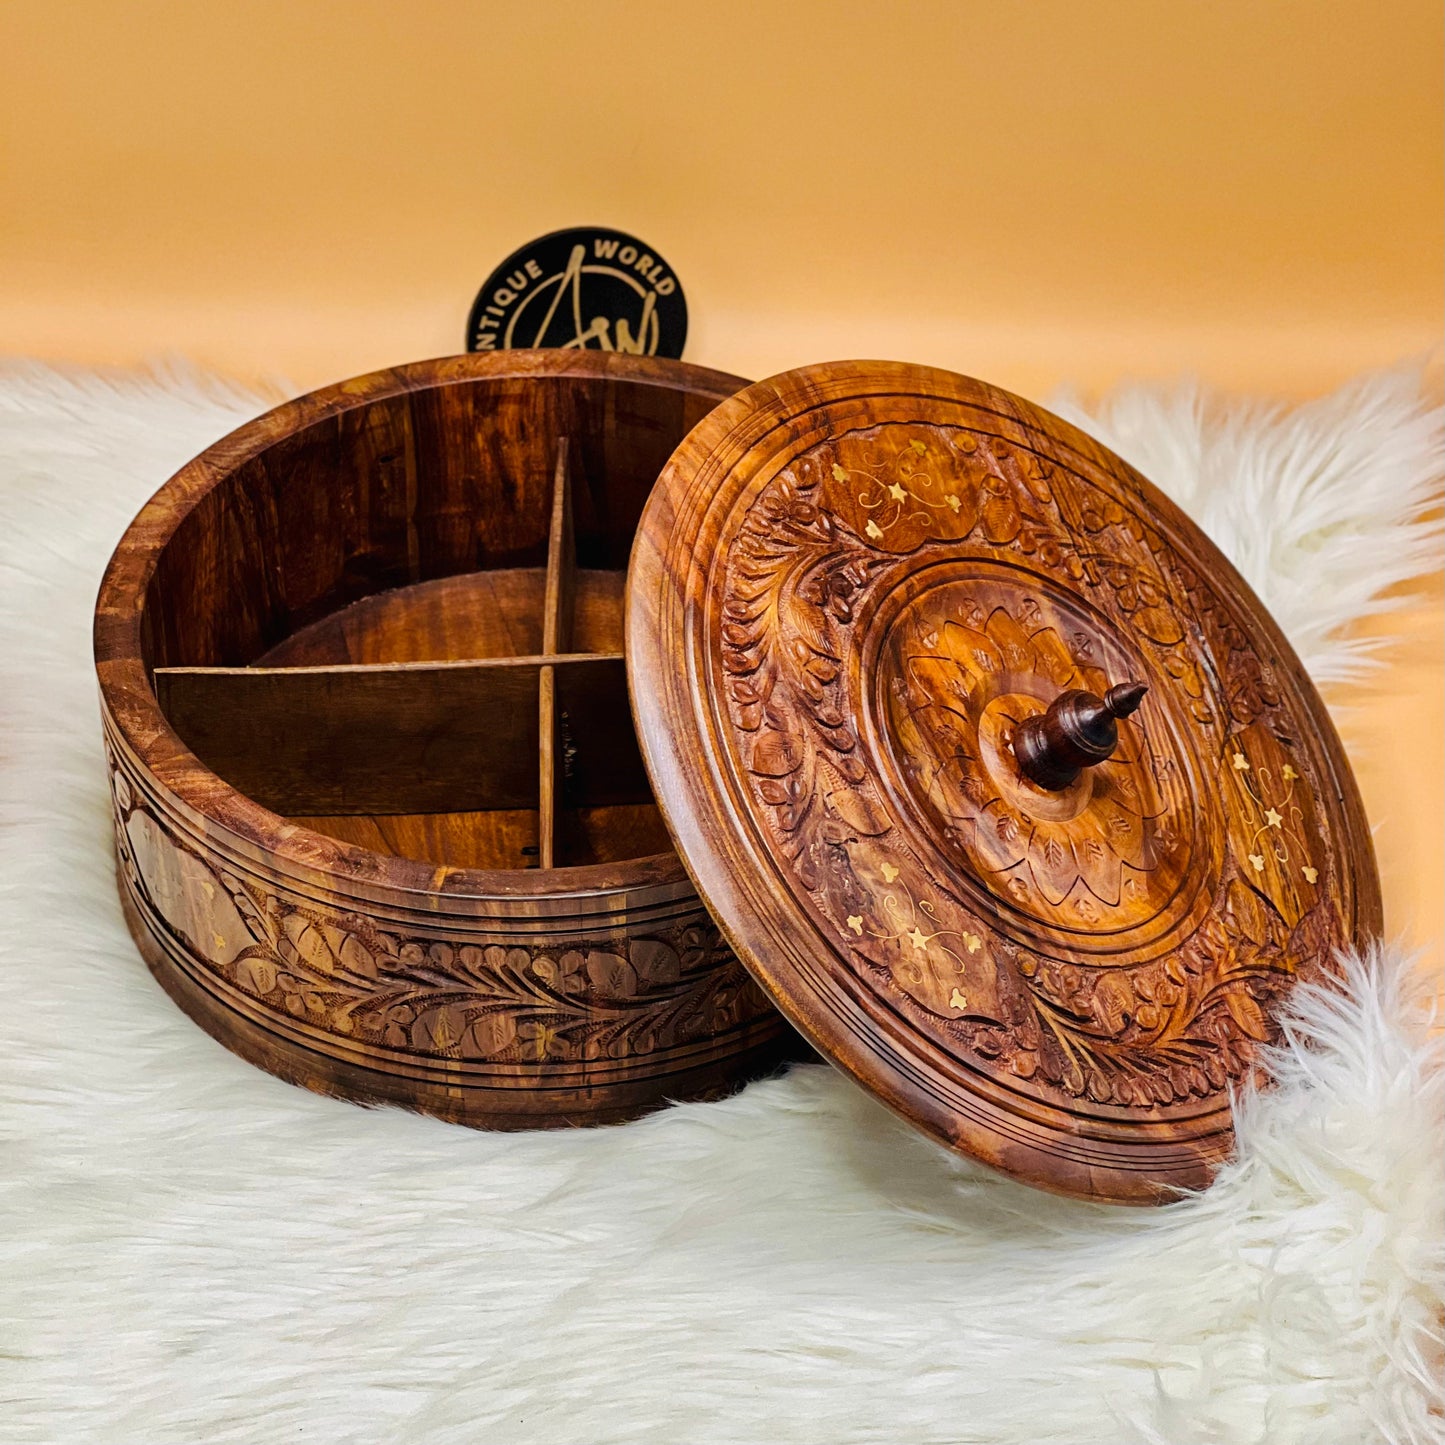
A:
x: 452, y: 999
x: 794, y: 579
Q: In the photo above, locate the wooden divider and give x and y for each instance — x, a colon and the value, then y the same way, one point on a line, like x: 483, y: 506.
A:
x: 417, y: 737
x: 556, y: 637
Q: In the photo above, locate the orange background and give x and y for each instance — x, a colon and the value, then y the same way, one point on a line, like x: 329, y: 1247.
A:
x: 1248, y: 190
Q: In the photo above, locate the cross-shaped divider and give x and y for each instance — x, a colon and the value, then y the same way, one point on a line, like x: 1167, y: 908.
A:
x: 368, y: 749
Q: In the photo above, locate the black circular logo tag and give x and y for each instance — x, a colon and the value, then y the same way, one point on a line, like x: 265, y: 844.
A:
x: 586, y: 288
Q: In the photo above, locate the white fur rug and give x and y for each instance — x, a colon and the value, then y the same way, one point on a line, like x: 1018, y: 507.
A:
x: 191, y: 1251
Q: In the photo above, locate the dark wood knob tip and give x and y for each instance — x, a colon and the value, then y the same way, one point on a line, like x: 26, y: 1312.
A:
x: 1079, y: 730
x: 1123, y: 698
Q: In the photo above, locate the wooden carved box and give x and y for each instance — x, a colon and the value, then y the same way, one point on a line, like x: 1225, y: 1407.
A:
x: 382, y: 823
x: 989, y: 773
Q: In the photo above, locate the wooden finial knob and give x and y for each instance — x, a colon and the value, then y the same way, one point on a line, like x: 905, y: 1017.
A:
x: 1079, y: 730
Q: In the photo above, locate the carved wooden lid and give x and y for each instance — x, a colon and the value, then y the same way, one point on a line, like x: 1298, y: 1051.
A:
x: 875, y: 616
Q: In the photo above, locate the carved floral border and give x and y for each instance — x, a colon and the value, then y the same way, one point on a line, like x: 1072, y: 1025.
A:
x: 1176, y: 1027
x: 445, y: 998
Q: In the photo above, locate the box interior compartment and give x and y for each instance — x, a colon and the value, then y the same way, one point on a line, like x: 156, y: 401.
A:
x: 402, y: 625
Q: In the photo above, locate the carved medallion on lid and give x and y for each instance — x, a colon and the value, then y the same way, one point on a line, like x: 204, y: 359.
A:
x: 960, y: 670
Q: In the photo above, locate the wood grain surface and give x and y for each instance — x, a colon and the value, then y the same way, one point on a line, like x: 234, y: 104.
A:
x: 854, y: 584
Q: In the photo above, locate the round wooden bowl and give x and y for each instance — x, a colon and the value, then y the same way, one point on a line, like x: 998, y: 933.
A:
x: 381, y: 821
